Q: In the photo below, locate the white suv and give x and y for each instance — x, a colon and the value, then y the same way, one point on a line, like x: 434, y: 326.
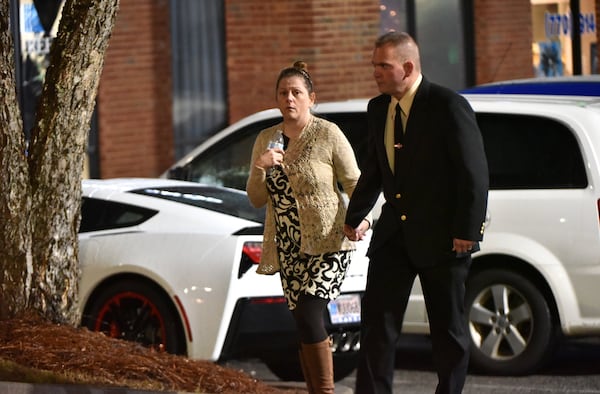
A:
x: 537, y: 274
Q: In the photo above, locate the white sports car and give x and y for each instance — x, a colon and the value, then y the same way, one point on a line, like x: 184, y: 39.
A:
x: 171, y: 264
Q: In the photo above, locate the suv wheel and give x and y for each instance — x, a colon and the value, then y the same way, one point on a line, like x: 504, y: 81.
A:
x: 511, y: 327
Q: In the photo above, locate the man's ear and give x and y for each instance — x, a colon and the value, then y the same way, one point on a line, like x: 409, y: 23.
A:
x: 409, y: 67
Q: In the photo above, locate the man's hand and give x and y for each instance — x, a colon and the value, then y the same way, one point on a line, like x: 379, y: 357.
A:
x: 462, y: 245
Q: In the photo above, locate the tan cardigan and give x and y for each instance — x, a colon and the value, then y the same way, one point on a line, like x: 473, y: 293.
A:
x: 314, y: 164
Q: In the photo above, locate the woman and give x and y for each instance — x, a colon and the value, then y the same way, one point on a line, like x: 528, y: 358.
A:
x: 303, y: 236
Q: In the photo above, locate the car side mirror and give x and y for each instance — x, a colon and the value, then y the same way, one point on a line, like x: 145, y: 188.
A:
x: 179, y: 172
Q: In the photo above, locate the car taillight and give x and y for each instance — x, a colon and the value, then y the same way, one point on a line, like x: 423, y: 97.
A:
x: 253, y: 250
x: 598, y: 203
x: 268, y: 300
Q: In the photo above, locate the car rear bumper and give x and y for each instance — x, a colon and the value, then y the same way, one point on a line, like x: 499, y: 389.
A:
x: 262, y: 326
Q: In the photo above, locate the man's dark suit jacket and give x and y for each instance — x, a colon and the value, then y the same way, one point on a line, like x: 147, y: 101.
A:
x: 440, y: 190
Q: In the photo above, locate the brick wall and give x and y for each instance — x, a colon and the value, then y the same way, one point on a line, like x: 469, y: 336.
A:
x: 134, y: 97
x: 335, y: 38
x: 503, y: 36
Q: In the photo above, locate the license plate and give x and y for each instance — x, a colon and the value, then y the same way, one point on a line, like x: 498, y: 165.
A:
x: 345, y: 309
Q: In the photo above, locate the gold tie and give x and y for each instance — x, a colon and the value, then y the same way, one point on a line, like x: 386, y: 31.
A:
x: 398, y: 129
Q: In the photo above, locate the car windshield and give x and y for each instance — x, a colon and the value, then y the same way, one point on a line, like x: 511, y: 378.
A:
x: 219, y: 199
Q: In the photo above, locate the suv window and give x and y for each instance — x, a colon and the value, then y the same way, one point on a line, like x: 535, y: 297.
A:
x: 523, y: 151
x: 354, y: 126
x: 99, y: 215
x: 227, y: 162
x: 531, y: 152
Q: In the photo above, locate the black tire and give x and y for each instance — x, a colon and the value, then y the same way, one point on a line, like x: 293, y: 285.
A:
x: 510, y: 323
x: 136, y: 311
x: 287, y: 366
x: 344, y: 364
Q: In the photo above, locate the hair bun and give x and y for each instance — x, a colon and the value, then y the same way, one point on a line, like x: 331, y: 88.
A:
x: 301, y: 65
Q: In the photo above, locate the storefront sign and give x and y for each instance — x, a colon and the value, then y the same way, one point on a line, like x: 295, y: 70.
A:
x: 560, y: 24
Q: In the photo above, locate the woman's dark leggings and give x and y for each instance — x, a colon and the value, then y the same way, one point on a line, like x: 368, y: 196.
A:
x: 309, y: 314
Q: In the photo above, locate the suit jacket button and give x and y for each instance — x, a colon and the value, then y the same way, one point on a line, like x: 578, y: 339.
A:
x: 403, y: 217
x: 398, y: 195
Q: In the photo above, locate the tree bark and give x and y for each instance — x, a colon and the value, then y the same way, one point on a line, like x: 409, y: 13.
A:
x: 15, y: 237
x: 40, y: 189
x: 57, y: 152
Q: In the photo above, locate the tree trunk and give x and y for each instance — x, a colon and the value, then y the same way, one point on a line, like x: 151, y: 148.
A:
x: 15, y: 237
x: 40, y: 194
x: 57, y: 153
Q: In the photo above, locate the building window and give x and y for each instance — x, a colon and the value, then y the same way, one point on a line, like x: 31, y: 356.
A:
x: 552, y: 44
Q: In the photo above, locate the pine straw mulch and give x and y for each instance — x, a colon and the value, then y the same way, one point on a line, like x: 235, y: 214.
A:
x: 80, y: 356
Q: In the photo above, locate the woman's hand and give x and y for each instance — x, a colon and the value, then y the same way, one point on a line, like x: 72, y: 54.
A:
x: 270, y: 158
x: 358, y: 233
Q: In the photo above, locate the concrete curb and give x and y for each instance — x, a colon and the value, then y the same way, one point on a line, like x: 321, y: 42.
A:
x: 26, y: 388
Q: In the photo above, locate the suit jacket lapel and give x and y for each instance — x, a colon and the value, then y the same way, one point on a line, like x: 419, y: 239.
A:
x: 417, y: 119
x: 380, y: 118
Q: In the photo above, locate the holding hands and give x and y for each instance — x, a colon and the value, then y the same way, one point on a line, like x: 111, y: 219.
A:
x: 358, y: 233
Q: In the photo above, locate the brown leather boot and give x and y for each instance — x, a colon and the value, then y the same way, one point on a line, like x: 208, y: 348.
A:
x: 318, y: 361
x: 305, y: 372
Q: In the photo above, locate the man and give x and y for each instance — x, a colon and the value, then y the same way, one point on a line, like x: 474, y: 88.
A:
x: 433, y: 173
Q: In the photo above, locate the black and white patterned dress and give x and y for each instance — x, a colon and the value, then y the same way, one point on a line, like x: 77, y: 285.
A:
x: 320, y: 275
